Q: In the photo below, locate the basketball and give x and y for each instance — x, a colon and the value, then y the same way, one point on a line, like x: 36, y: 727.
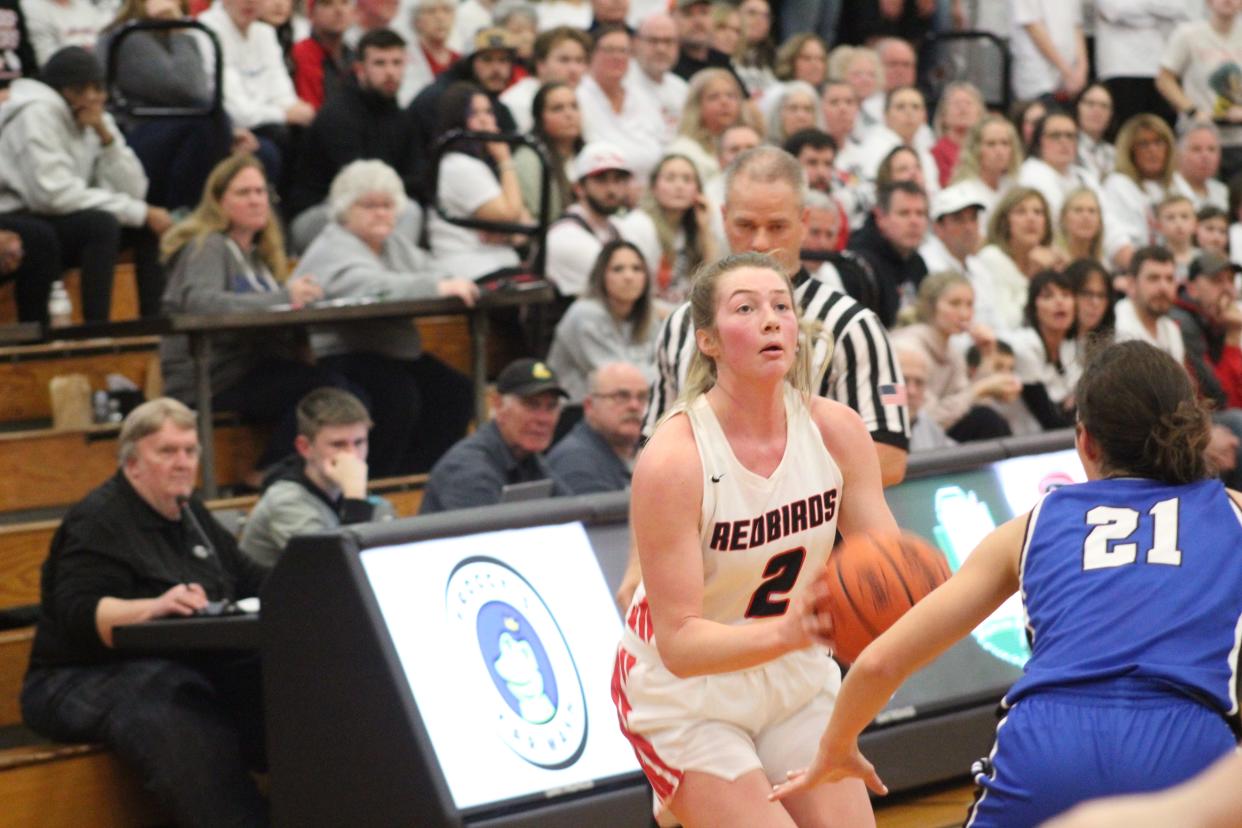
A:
x: 873, y: 580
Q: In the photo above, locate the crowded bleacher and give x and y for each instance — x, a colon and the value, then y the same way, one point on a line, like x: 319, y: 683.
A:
x: 969, y: 196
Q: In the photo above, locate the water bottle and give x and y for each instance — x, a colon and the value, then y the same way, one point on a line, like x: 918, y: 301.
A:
x: 59, y: 306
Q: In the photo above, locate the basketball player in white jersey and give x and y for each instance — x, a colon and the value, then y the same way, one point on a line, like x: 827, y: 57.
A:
x: 720, y: 684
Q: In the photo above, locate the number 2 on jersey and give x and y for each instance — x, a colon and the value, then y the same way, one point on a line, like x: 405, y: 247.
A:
x: 779, y: 576
x: 1114, y: 523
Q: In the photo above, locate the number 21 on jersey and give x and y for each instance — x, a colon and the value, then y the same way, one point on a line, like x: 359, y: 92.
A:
x: 1116, y: 523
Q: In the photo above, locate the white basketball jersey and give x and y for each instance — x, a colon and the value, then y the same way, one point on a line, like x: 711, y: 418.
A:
x: 763, y: 538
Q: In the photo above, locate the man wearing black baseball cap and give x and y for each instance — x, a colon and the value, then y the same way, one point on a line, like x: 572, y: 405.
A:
x: 506, y: 450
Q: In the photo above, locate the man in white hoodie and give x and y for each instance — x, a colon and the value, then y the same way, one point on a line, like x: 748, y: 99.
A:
x: 64, y: 162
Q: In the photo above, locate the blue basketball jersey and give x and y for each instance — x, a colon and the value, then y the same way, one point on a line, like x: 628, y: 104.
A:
x: 1133, y: 578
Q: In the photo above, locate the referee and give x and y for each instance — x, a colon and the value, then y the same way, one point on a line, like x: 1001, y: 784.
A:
x: 763, y: 212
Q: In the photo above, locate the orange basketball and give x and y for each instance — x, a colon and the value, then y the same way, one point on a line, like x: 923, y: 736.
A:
x: 873, y: 580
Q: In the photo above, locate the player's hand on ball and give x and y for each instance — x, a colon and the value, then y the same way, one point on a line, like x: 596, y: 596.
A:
x: 816, y: 611
x: 830, y: 765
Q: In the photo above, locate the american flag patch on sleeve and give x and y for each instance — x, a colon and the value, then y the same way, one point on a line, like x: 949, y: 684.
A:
x: 893, y: 394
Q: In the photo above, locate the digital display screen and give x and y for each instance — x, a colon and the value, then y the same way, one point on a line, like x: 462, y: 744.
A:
x: 955, y: 511
x: 507, y: 640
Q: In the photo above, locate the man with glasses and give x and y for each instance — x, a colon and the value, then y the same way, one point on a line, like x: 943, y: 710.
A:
x: 650, y: 74
x: 597, y: 455
x: 508, y: 449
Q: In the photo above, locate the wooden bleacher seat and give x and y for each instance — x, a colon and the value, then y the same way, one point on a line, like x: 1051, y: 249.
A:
x: 26, y: 371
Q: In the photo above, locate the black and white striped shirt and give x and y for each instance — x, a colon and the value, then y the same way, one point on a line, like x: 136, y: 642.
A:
x: 862, y: 371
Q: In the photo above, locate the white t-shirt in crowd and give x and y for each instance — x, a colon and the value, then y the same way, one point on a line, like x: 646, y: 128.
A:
x: 1033, y: 75
x: 1168, y: 336
x: 636, y: 130
x: 669, y: 95
x: 257, y: 86
x: 519, y: 98
x: 1217, y: 192
x: 466, y: 184
x: 1195, y: 54
x: 1129, y: 32
x: 51, y: 26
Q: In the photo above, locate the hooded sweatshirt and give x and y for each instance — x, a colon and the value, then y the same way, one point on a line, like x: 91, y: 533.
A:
x: 51, y: 165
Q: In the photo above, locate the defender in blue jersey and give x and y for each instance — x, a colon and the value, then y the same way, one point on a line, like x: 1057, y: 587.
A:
x: 1132, y: 587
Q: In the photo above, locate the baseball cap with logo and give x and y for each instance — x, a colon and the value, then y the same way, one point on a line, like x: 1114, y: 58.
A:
x: 528, y: 377
x: 1210, y: 264
x: 493, y: 38
x: 954, y: 199
x: 597, y: 157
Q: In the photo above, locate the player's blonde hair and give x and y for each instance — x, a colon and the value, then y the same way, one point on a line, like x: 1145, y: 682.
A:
x: 702, y: 373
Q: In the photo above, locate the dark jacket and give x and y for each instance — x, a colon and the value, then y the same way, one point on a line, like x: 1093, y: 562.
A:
x: 1215, y: 366
x: 892, y: 271
x: 587, y: 464
x: 476, y: 469
x: 355, y: 123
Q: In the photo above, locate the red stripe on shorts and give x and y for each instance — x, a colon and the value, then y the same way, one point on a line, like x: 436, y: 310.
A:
x: 663, y: 779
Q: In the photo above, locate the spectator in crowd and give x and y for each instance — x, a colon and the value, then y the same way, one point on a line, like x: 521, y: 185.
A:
x: 755, y: 58
x: 989, y: 162
x: 1212, y: 230
x: 960, y: 108
x: 560, y: 57
x: 891, y: 247
x: 803, y: 57
x: 1051, y: 165
x: 613, y: 320
x: 945, y: 309
x: 672, y: 228
x: 65, y: 164
x: 597, y: 455
x: 420, y: 405
x: 613, y: 112
x: 166, y: 69
x: 726, y: 28
x: 362, y: 121
x: 651, y: 72
x: 1175, y: 228
x: 1019, y: 245
x: 734, y: 141
x: 1025, y: 115
x: 1048, y: 49
x: 56, y: 24
x: 816, y: 152
x: 29, y: 257
x: 1093, y: 299
x: 839, y: 105
x: 602, y: 178
x: 953, y: 242
x: 1046, y: 357
x: 905, y: 114
x: 925, y: 432
x: 370, y: 15
x: 713, y: 104
x: 430, y: 55
x: 17, y: 55
x: 558, y: 126
x: 475, y: 180
x: 1199, y: 76
x: 833, y: 266
x: 326, y: 487
x: 1198, y: 164
x: 1144, y: 314
x: 763, y: 211
x: 900, y: 64
x: 489, y: 67
x: 290, y: 26
x: 323, y: 62
x: 506, y: 450
x: 873, y: 21
x: 1127, y: 37
x: 519, y: 19
x: 791, y: 107
x: 473, y: 16
x: 138, y: 548
x: 229, y: 256
x: 258, y: 92
x: 1080, y: 227
x: 1145, y: 159
x: 1094, y: 113
x: 575, y: 14
x: 694, y: 34
x: 862, y: 70
x: 606, y: 12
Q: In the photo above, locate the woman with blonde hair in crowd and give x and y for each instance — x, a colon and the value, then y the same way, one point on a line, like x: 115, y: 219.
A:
x: 1019, y: 245
x: 945, y: 309
x: 961, y: 107
x: 861, y: 68
x: 803, y: 57
x: 791, y: 107
x: 1142, y: 178
x: 672, y: 229
x: 989, y: 160
x: 714, y: 102
x: 1080, y: 227
x: 228, y: 256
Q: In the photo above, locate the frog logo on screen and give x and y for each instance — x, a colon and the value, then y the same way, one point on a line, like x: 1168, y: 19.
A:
x: 528, y: 681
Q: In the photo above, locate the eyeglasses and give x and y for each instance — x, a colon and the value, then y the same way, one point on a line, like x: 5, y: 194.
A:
x: 624, y: 397
x: 659, y: 41
x: 1067, y: 135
